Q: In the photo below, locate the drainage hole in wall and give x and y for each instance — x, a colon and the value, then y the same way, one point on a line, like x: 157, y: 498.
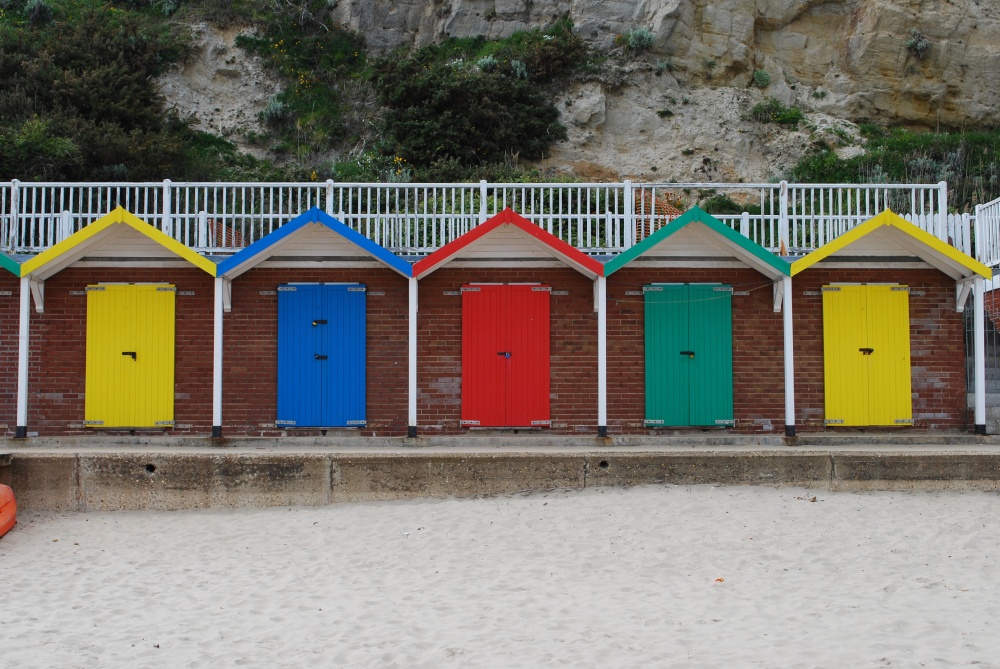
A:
x: 603, y: 464
x: 150, y: 468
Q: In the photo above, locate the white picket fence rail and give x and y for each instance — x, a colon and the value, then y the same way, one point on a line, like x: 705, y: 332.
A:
x: 416, y: 219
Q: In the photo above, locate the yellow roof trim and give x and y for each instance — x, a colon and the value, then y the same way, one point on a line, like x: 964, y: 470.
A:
x: 118, y: 215
x: 889, y: 219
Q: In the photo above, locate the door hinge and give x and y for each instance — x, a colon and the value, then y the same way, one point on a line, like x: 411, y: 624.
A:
x: 164, y: 423
x: 652, y: 289
x: 833, y: 421
x: 541, y: 289
x: 469, y: 289
x: 356, y: 289
x: 357, y: 422
x: 89, y: 288
x: 169, y: 289
x: 725, y: 421
x: 470, y: 422
x: 723, y: 289
x: 541, y: 422
x: 903, y: 421
x: 284, y: 422
x: 92, y: 423
x: 652, y: 422
x: 900, y: 289
x: 287, y: 289
x: 831, y: 289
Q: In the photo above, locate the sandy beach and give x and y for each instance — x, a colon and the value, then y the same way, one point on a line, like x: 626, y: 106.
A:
x: 658, y: 576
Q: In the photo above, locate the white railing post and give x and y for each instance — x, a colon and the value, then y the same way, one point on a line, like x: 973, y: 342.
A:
x: 629, y: 219
x: 783, y: 241
x: 167, y: 225
x: 942, y: 210
x: 329, y: 197
x: 962, y: 230
x: 15, y: 201
x: 745, y: 224
x: 977, y: 237
x: 65, y: 226
x: 202, y: 229
x: 482, y: 201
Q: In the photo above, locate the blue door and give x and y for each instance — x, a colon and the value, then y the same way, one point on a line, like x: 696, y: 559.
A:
x: 321, y: 355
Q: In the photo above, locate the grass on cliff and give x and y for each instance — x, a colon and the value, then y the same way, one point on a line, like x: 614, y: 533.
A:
x: 968, y: 161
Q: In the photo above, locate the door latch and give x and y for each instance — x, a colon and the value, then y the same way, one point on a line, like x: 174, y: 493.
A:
x: 320, y: 357
x: 505, y: 354
x: 866, y: 351
x: 689, y: 354
x: 319, y: 322
x: 131, y: 353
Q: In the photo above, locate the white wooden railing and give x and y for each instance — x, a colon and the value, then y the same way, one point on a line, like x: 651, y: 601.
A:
x: 415, y: 219
x: 987, y: 233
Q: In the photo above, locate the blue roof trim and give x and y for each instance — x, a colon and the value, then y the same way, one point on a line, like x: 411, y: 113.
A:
x: 315, y: 215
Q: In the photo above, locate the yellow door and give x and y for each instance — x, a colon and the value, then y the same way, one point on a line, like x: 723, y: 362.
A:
x: 130, y: 355
x: 866, y: 346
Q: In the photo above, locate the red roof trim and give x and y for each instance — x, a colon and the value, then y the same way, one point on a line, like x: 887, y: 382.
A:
x: 506, y: 217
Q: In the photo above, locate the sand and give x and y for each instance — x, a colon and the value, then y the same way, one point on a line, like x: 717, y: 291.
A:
x: 658, y: 576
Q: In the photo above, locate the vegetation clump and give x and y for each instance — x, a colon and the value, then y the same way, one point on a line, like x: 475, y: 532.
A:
x: 761, y: 79
x: 773, y: 111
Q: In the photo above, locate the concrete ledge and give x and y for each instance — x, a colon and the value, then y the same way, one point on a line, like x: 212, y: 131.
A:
x: 145, y: 478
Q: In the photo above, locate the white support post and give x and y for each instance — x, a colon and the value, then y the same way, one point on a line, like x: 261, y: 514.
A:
x: 745, y: 224
x: 217, y: 361
x: 202, y: 229
x: 168, y: 217
x: 602, y: 356
x: 786, y: 286
x: 977, y: 241
x: 411, y: 430
x: 979, y: 335
x: 329, y: 197
x: 15, y: 213
x: 21, y: 429
x: 783, y: 237
x: 65, y: 225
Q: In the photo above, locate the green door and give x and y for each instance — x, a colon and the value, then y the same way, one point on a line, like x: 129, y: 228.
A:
x: 689, y: 354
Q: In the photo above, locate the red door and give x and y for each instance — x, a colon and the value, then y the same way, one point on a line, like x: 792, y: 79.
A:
x: 505, y: 355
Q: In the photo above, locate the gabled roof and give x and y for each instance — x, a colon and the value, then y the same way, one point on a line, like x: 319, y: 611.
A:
x: 10, y: 264
x: 891, y: 231
x: 116, y: 226
x: 701, y: 228
x: 314, y: 220
x: 509, y: 227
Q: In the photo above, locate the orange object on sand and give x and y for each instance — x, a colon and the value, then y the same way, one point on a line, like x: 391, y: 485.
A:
x: 8, y: 509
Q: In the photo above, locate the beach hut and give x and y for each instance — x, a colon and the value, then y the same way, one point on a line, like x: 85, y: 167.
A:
x: 122, y: 335
x: 695, y: 336
x: 316, y: 333
x: 10, y: 291
x: 879, y: 329
x: 508, y: 331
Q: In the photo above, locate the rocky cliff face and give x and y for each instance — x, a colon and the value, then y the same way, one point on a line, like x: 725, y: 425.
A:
x: 851, y: 53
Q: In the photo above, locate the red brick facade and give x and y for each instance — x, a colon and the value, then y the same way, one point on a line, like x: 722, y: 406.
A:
x: 758, y: 349
x: 9, y: 326
x: 57, y: 362
x: 250, y: 337
x: 573, y: 347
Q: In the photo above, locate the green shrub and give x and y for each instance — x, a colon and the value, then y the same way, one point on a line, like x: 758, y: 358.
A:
x: 773, y: 111
x: 639, y: 39
x: 761, y: 79
x: 487, y: 63
x: 38, y: 11
x: 918, y: 44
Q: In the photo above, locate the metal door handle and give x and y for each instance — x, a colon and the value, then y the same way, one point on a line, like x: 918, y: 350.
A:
x: 320, y: 322
x: 505, y: 354
x: 131, y: 353
x: 866, y: 351
x: 320, y: 357
x: 689, y: 354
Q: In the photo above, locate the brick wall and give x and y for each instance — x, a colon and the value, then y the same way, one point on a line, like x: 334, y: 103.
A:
x: 250, y: 377
x: 758, y: 357
x: 573, y: 370
x: 9, y: 325
x: 57, y: 362
x: 937, y: 350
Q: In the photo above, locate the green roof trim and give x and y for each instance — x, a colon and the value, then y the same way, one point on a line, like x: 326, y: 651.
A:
x: 10, y: 264
x: 695, y: 214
